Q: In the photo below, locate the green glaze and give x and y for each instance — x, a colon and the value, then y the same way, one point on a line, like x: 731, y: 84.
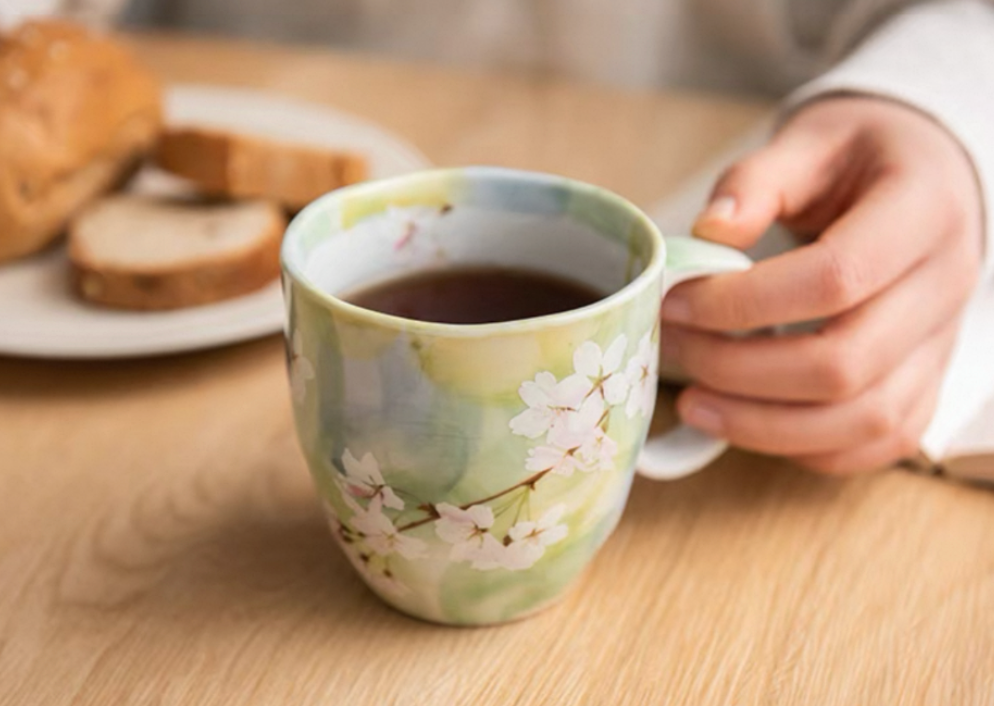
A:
x: 460, y: 491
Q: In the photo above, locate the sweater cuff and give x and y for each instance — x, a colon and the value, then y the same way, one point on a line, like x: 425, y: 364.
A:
x: 937, y: 57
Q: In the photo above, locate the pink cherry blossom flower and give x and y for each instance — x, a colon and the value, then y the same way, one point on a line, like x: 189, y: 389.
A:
x: 468, y: 533
x: 549, y: 402
x: 642, y: 373
x: 581, y: 444
x: 363, y: 480
x: 486, y: 554
x: 603, y: 370
x: 560, y: 455
x: 382, y: 536
x: 529, y: 539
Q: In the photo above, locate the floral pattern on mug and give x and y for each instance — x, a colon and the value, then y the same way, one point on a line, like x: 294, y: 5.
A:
x: 642, y: 372
x: 573, y: 413
x: 470, y: 475
x: 568, y: 420
x: 363, y: 480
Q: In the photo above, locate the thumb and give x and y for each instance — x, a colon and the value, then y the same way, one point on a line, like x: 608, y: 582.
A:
x: 775, y: 182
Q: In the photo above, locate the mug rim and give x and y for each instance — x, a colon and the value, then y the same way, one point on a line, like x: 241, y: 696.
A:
x: 295, y: 270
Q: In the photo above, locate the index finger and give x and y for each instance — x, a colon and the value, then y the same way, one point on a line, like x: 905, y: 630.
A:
x: 891, y: 229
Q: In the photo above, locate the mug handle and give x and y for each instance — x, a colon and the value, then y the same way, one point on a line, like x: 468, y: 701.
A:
x: 684, y: 450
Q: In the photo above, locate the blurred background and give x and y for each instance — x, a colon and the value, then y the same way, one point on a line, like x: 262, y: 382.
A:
x: 755, y: 47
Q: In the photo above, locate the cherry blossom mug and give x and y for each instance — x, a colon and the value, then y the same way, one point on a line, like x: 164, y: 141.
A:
x: 471, y: 472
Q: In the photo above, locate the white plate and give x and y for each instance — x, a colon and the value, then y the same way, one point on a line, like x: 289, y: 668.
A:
x: 40, y: 317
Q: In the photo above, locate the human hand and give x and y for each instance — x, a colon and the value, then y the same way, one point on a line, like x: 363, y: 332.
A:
x: 892, y: 209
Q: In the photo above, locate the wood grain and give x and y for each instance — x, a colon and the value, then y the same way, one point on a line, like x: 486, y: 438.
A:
x: 160, y: 543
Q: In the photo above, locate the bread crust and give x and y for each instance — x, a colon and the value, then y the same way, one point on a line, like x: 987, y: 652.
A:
x: 201, y: 281
x: 77, y: 113
x: 242, y: 166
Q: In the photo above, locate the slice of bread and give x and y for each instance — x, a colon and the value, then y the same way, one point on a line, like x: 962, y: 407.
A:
x: 77, y: 114
x: 243, y: 166
x: 139, y: 252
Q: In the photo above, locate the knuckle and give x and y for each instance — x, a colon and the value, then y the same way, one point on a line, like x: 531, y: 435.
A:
x: 838, y: 371
x: 881, y: 419
x: 841, y: 282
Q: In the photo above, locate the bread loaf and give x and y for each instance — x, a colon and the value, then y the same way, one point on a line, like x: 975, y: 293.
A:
x: 244, y: 166
x: 140, y: 252
x: 77, y: 114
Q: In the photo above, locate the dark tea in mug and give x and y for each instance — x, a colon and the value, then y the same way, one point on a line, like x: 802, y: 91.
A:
x: 475, y: 295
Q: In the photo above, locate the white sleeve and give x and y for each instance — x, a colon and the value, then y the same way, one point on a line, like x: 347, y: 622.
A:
x: 939, y: 58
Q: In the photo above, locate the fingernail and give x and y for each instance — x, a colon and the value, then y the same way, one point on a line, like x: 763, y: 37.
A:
x: 676, y: 308
x: 721, y: 209
x: 704, y: 417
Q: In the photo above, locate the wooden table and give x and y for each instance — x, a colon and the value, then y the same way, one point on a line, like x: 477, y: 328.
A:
x: 160, y: 543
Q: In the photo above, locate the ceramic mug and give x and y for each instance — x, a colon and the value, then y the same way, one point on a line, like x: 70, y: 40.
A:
x: 470, y: 472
